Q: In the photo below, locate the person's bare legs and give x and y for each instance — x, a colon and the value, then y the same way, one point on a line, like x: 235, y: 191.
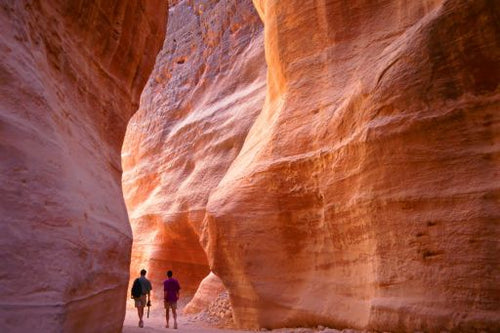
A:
x: 174, y: 314
x: 140, y: 312
x: 166, y: 315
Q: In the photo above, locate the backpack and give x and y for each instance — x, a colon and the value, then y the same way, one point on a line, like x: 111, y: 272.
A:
x: 136, y: 289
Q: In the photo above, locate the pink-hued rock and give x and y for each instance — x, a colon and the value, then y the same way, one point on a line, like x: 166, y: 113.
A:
x: 70, y: 78
x: 366, y: 192
x: 205, y: 92
x: 208, y: 291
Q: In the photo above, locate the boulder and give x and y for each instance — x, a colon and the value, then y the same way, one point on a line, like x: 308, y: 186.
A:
x: 208, y: 291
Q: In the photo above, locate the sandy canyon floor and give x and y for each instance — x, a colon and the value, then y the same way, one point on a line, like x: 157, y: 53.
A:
x: 156, y: 323
x: 202, y: 322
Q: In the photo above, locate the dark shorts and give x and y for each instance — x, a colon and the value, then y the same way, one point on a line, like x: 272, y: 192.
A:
x: 140, y: 302
x: 172, y: 305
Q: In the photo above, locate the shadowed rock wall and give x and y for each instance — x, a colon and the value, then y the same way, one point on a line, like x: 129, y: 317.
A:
x: 70, y: 78
x: 207, y: 87
x: 366, y: 193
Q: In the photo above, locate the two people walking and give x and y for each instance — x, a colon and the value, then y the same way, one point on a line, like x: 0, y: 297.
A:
x: 171, y: 290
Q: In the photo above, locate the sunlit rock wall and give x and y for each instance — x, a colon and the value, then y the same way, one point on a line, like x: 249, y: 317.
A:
x: 366, y: 194
x: 205, y: 92
x: 71, y: 74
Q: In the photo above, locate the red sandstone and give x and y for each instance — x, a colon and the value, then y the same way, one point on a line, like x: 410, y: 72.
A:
x: 70, y: 78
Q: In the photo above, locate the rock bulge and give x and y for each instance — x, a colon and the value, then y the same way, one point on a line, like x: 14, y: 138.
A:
x: 70, y: 78
x: 363, y: 196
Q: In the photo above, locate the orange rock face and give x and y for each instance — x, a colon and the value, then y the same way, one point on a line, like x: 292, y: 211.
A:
x: 366, y: 192
x: 205, y: 92
x: 70, y: 78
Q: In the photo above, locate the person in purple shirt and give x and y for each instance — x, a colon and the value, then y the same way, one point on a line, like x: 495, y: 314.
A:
x: 171, y: 289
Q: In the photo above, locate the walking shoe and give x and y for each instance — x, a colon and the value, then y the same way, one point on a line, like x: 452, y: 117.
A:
x: 175, y: 326
x: 141, y: 324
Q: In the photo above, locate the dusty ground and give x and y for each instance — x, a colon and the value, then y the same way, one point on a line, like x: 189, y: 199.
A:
x: 156, y: 323
x: 202, y: 322
x: 214, y: 319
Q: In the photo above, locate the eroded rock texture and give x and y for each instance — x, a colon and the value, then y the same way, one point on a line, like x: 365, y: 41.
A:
x: 70, y: 78
x: 205, y: 92
x: 366, y: 193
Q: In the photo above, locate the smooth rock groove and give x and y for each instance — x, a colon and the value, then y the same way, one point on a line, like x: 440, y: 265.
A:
x: 70, y: 78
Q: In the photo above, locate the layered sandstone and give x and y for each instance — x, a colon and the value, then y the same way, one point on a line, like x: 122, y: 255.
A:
x: 70, y: 78
x: 205, y: 92
x: 366, y: 192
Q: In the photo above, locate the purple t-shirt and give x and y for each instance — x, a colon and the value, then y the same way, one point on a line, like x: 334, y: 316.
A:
x: 170, y: 288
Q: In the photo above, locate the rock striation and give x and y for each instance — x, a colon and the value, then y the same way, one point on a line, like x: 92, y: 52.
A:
x: 206, y: 90
x: 70, y: 78
x: 366, y: 192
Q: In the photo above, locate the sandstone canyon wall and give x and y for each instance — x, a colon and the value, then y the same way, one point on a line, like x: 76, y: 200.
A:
x: 363, y: 194
x: 205, y: 92
x: 366, y: 193
x: 70, y: 78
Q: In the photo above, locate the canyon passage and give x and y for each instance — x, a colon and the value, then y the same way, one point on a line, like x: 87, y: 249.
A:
x: 319, y: 163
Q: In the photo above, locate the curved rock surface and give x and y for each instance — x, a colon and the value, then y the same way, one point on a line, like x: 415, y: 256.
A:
x: 363, y: 195
x: 205, y: 92
x: 366, y: 193
x: 70, y: 78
